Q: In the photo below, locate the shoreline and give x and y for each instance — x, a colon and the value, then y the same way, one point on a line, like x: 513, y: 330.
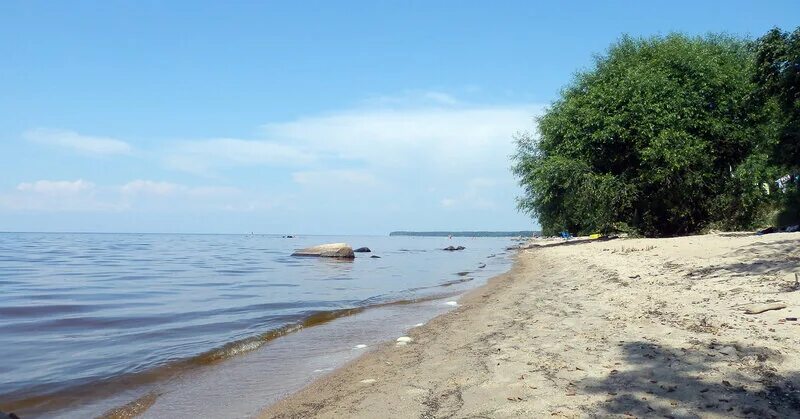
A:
x: 636, y: 327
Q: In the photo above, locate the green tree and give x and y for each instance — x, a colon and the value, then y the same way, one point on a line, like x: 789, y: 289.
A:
x: 777, y: 73
x: 662, y: 136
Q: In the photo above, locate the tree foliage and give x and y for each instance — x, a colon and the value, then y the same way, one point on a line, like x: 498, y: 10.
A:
x: 662, y: 136
x: 777, y: 73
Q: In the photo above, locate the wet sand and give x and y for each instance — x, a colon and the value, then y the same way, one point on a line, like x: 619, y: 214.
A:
x: 624, y: 328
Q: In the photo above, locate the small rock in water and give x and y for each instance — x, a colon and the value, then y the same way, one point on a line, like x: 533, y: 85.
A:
x: 361, y: 346
x: 362, y: 250
x: 481, y: 266
x: 375, y: 257
x: 451, y: 303
x: 452, y: 248
x: 368, y: 381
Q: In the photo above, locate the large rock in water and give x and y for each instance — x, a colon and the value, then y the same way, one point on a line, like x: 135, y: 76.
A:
x: 330, y: 250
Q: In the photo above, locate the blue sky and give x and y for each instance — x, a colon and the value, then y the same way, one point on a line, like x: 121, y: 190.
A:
x: 312, y: 117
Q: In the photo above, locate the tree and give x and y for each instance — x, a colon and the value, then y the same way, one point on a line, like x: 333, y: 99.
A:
x: 661, y: 136
x: 777, y: 74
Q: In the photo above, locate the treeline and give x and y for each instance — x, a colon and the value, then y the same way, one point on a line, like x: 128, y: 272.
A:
x: 670, y: 135
x: 464, y: 233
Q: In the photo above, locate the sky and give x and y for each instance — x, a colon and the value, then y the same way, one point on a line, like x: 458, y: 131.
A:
x: 297, y: 117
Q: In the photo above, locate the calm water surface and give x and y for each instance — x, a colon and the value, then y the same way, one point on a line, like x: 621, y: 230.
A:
x: 123, y: 310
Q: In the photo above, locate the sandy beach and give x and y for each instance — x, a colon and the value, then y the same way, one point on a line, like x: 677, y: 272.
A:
x: 623, y: 328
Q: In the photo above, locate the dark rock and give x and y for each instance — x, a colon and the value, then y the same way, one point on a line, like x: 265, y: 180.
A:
x: 460, y: 248
x: 375, y: 257
x: 481, y: 266
x: 362, y: 250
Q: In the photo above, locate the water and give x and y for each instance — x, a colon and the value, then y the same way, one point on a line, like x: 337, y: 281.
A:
x: 92, y: 321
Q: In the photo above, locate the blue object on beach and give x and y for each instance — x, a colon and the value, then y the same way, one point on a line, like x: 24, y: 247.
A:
x: 566, y: 235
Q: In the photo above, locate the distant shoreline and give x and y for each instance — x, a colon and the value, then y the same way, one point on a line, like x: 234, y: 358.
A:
x: 466, y: 233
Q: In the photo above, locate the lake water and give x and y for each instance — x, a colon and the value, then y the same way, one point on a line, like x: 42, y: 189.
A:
x: 93, y: 321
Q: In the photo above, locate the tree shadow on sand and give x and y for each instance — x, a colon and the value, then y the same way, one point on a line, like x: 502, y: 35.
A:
x: 696, y: 381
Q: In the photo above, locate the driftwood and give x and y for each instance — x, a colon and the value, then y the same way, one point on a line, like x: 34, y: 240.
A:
x: 760, y: 308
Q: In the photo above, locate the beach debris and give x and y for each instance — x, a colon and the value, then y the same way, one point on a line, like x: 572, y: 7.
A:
x: 331, y: 250
x: 404, y: 339
x: 360, y: 346
x: 767, y: 230
x: 362, y: 250
x: 452, y: 248
x: 760, y: 308
x: 419, y: 324
x: 796, y: 285
x: 451, y: 303
x: 368, y: 381
x: 791, y: 319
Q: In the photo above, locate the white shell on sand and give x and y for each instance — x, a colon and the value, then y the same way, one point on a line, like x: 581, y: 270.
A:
x: 404, y: 339
x: 451, y: 303
x: 369, y: 381
x: 362, y: 346
x: 401, y: 344
x: 419, y: 324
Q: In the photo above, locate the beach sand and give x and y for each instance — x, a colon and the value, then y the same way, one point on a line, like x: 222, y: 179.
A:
x: 623, y: 328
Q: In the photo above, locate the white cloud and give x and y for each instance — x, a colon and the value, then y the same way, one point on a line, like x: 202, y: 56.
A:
x: 56, y: 195
x: 438, y: 134
x: 334, y: 178
x: 77, y: 142
x: 147, y: 195
x: 202, y: 156
x: 59, y: 187
x: 444, y: 139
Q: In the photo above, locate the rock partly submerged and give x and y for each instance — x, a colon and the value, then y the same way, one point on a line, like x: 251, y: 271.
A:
x: 330, y: 250
x: 362, y: 250
x: 453, y: 248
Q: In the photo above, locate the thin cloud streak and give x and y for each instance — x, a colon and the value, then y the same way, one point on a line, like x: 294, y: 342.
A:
x: 99, y: 146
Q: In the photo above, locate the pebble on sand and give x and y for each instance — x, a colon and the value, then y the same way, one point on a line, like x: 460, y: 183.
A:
x: 404, y: 339
x: 368, y: 381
